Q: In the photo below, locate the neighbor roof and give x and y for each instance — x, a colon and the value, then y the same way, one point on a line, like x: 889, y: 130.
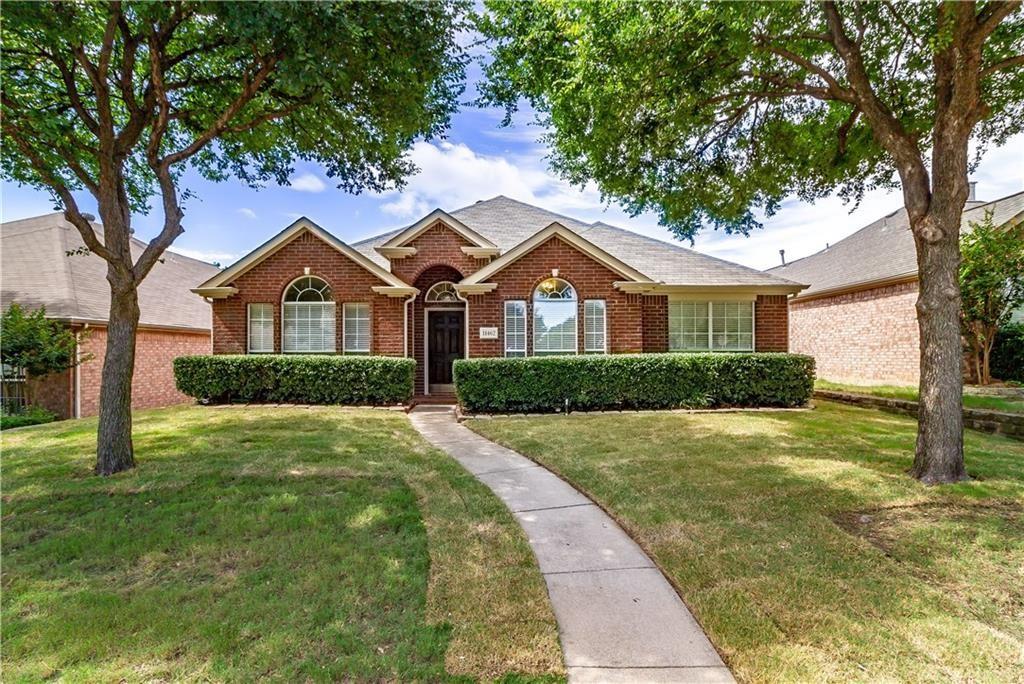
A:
x: 883, y: 250
x: 38, y: 272
x: 507, y: 223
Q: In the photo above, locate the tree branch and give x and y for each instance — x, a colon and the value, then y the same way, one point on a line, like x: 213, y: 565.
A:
x: 1008, y: 63
x: 990, y: 17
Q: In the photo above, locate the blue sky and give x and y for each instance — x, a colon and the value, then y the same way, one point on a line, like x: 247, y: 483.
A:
x: 477, y: 160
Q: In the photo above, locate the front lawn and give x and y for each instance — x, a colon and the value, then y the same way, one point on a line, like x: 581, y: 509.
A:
x: 977, y: 401
x: 801, y: 545
x: 289, y: 544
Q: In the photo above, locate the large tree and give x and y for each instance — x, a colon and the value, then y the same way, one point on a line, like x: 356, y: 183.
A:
x: 704, y: 112
x: 119, y: 98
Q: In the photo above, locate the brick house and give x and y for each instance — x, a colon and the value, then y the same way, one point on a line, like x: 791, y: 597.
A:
x: 45, y: 264
x: 858, y: 317
x: 496, y: 278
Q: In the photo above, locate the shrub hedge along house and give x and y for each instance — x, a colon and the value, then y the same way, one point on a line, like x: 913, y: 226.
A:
x: 498, y: 278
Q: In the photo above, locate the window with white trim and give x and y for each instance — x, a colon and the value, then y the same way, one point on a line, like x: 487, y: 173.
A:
x: 554, y: 318
x: 515, y: 328
x: 308, y: 317
x: 356, y: 328
x: 711, y: 326
x: 261, y: 328
x: 443, y: 291
x: 595, y: 323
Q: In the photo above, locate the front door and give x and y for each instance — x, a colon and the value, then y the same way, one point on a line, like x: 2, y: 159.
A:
x: 446, y: 339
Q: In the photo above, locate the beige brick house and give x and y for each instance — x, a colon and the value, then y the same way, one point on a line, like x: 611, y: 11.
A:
x: 858, y: 318
x: 37, y: 270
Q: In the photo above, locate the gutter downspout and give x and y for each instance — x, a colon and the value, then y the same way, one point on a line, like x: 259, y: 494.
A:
x: 405, y: 325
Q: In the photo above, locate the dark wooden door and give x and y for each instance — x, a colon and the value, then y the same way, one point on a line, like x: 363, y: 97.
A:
x: 447, y: 339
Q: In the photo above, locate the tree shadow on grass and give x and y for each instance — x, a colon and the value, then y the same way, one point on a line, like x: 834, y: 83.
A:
x: 314, y: 565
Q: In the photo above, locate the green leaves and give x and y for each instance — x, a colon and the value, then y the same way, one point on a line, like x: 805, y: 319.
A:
x: 35, y: 344
x: 991, y: 272
x: 633, y: 381
x: 350, y: 380
x: 348, y: 85
x: 704, y: 112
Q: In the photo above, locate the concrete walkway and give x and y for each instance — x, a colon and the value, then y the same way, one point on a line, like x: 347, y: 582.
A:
x: 619, y: 619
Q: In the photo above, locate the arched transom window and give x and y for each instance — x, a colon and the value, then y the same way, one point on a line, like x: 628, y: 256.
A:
x: 554, y: 318
x: 443, y: 291
x: 308, y: 317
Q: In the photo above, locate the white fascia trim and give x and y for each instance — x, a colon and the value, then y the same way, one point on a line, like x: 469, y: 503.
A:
x: 215, y: 292
x: 283, y: 238
x: 393, y: 291
x: 539, y: 238
x: 480, y: 252
x: 413, y: 231
x: 704, y: 291
x: 475, y: 288
x: 395, y: 253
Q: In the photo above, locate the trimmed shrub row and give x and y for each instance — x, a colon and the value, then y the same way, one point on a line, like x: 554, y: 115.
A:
x: 290, y: 379
x: 634, y: 381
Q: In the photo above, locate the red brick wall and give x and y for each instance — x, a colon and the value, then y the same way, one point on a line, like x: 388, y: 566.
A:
x: 265, y: 283
x: 655, y: 323
x: 771, y: 323
x: 591, y: 279
x: 865, y: 337
x: 153, y: 382
x: 437, y: 245
x: 54, y: 393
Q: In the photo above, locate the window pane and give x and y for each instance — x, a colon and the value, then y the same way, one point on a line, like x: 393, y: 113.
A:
x: 688, y: 326
x: 357, y: 328
x: 594, y: 338
x: 261, y: 328
x: 308, y: 327
x: 554, y: 327
x: 732, y: 326
x: 515, y: 328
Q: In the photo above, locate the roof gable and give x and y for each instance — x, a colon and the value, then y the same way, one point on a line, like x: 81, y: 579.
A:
x: 218, y: 286
x: 406, y: 236
x: 556, y: 230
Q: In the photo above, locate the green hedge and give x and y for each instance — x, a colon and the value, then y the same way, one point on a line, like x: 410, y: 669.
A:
x: 290, y: 379
x: 30, y: 415
x: 634, y: 381
x: 1007, y: 362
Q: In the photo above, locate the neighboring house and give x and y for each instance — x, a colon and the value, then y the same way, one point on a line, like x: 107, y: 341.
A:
x: 858, y: 317
x: 497, y: 278
x: 38, y: 271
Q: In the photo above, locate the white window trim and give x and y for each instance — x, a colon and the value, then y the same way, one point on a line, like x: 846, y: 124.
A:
x: 711, y: 327
x: 369, y: 329
x: 604, y: 327
x: 284, y: 308
x: 248, y: 328
x: 526, y: 334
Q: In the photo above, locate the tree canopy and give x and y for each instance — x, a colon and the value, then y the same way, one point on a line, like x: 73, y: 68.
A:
x: 35, y: 344
x: 703, y: 112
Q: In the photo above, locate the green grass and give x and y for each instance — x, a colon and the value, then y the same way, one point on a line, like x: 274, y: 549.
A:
x: 977, y: 401
x: 800, y: 543
x: 287, y: 544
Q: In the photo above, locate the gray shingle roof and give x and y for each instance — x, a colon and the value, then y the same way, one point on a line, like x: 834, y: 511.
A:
x: 882, y: 250
x: 507, y: 222
x: 36, y: 271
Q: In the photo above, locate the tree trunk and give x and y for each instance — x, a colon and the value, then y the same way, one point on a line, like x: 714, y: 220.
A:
x: 940, y: 448
x: 114, y: 451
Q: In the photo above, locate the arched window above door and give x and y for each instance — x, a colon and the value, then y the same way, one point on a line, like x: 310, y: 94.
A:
x: 443, y: 291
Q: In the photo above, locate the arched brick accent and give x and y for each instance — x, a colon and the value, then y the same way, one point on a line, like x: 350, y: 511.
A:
x: 429, y: 275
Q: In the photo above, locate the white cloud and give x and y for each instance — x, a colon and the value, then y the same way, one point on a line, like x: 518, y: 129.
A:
x: 307, y: 182
x: 247, y: 213
x: 454, y: 175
